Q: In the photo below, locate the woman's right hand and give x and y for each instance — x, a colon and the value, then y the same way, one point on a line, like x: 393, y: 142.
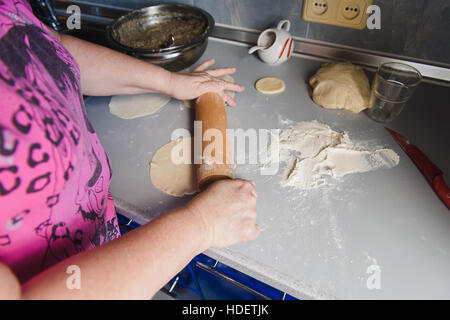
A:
x: 227, y: 210
x: 187, y: 86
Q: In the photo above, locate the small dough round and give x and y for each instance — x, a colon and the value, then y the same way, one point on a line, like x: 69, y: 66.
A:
x: 169, y: 177
x: 270, y: 85
x: 131, y: 106
x: 227, y: 78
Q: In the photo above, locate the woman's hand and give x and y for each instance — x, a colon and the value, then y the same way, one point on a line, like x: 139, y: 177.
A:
x: 227, y: 211
x: 187, y: 86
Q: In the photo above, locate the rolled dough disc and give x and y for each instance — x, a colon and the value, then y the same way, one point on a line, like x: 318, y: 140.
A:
x: 270, y: 85
x: 131, y: 106
x: 169, y: 177
x: 227, y: 78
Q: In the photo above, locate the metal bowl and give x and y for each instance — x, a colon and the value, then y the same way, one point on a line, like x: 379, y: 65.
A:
x: 170, y: 54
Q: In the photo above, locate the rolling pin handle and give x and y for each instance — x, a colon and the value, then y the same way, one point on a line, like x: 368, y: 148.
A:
x: 211, y: 111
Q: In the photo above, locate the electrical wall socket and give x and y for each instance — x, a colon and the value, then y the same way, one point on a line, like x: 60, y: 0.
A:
x: 343, y: 13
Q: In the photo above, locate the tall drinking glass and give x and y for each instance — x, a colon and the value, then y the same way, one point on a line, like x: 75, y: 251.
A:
x: 393, y: 86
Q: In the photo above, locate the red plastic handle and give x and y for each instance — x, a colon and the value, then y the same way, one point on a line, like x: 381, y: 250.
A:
x: 442, y: 190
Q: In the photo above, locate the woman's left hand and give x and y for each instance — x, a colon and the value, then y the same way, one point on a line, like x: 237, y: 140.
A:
x: 187, y: 86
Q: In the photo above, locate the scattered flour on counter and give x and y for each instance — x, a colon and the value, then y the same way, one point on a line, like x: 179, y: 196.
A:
x: 314, y: 154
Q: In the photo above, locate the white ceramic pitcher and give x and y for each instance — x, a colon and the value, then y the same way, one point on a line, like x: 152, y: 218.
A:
x: 275, y: 45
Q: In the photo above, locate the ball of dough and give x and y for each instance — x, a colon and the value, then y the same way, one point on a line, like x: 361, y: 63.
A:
x: 170, y: 174
x: 270, y: 85
x: 341, y: 86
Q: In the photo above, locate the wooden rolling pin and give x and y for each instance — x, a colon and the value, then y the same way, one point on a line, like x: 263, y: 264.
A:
x: 210, y: 109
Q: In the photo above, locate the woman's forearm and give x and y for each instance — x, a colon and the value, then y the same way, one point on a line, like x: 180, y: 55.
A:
x: 107, y: 72
x: 134, y: 266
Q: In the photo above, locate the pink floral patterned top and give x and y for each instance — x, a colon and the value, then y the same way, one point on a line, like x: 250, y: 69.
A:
x: 54, y: 174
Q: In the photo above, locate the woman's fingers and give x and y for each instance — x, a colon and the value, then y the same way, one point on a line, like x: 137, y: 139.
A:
x: 233, y: 87
x: 220, y: 86
x: 250, y: 230
x: 229, y: 100
x: 211, y: 82
x: 221, y: 71
x: 253, y: 232
x: 205, y: 65
x: 217, y: 85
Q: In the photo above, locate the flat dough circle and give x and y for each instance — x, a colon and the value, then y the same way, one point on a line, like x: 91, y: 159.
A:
x: 174, y: 179
x: 270, y: 85
x: 227, y: 78
x: 131, y: 106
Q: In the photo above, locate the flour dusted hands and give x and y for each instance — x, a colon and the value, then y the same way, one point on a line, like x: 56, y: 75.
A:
x: 187, y: 86
x: 227, y: 210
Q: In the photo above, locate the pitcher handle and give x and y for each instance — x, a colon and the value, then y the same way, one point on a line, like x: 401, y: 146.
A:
x: 284, y: 24
x: 255, y: 48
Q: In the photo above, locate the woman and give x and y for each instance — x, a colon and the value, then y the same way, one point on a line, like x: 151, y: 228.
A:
x: 56, y: 210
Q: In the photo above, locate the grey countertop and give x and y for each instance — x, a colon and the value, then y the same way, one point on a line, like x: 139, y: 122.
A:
x: 321, y: 243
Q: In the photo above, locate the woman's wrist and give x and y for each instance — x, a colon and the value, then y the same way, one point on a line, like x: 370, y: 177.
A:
x: 166, y: 82
x: 151, y: 78
x: 193, y: 222
x: 170, y: 80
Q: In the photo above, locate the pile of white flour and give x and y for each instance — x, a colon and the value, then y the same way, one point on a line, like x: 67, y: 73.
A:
x: 314, y: 154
